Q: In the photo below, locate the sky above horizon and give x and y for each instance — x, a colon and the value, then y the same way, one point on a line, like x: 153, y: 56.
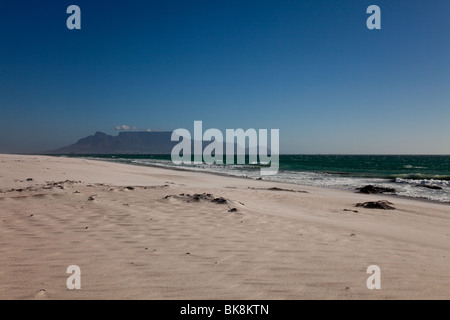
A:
x: 311, y: 69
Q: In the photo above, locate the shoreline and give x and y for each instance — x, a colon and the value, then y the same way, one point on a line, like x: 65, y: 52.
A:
x: 140, y: 232
x: 249, y: 178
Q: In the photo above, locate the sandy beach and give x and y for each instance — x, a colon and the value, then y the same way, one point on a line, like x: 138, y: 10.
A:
x: 153, y: 233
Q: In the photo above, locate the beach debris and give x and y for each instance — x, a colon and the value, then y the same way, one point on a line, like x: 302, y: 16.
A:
x: 18, y: 190
x: 370, y: 189
x: 59, y: 184
x: 233, y: 210
x: 91, y: 198
x: 381, y: 204
x: 129, y: 188
x: 53, y: 183
x: 356, y: 211
x: 30, y: 179
x: 219, y: 200
x: 199, y: 196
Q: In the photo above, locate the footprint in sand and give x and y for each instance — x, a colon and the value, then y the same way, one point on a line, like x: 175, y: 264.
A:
x: 42, y: 294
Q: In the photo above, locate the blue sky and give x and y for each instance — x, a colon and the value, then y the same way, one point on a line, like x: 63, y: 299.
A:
x: 309, y: 68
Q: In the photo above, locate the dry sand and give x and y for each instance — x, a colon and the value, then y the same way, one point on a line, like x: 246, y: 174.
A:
x: 137, y: 243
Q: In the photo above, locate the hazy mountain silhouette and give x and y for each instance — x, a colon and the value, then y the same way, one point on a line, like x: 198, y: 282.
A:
x: 124, y: 143
x: 130, y: 142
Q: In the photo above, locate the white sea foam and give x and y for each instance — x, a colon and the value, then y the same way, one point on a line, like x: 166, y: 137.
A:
x: 408, y: 166
x: 403, y: 186
x: 429, y: 182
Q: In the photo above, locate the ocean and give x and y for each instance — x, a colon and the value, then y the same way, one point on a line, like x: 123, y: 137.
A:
x: 414, y: 176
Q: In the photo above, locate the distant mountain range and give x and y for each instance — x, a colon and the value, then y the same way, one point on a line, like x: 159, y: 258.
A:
x: 129, y: 142
x: 124, y: 143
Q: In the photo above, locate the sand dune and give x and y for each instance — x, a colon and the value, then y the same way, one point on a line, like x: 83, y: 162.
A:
x: 152, y: 233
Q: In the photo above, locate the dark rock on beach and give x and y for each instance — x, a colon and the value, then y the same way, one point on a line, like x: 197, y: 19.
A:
x: 370, y: 189
x: 429, y: 186
x: 381, y: 204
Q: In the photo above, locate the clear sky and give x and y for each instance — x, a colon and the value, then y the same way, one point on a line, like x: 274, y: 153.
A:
x: 309, y: 68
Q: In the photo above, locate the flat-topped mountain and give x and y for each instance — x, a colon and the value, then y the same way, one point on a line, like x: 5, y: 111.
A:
x: 124, y: 143
x: 132, y: 142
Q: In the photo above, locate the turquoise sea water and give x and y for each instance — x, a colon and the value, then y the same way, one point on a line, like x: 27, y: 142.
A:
x: 408, y: 174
